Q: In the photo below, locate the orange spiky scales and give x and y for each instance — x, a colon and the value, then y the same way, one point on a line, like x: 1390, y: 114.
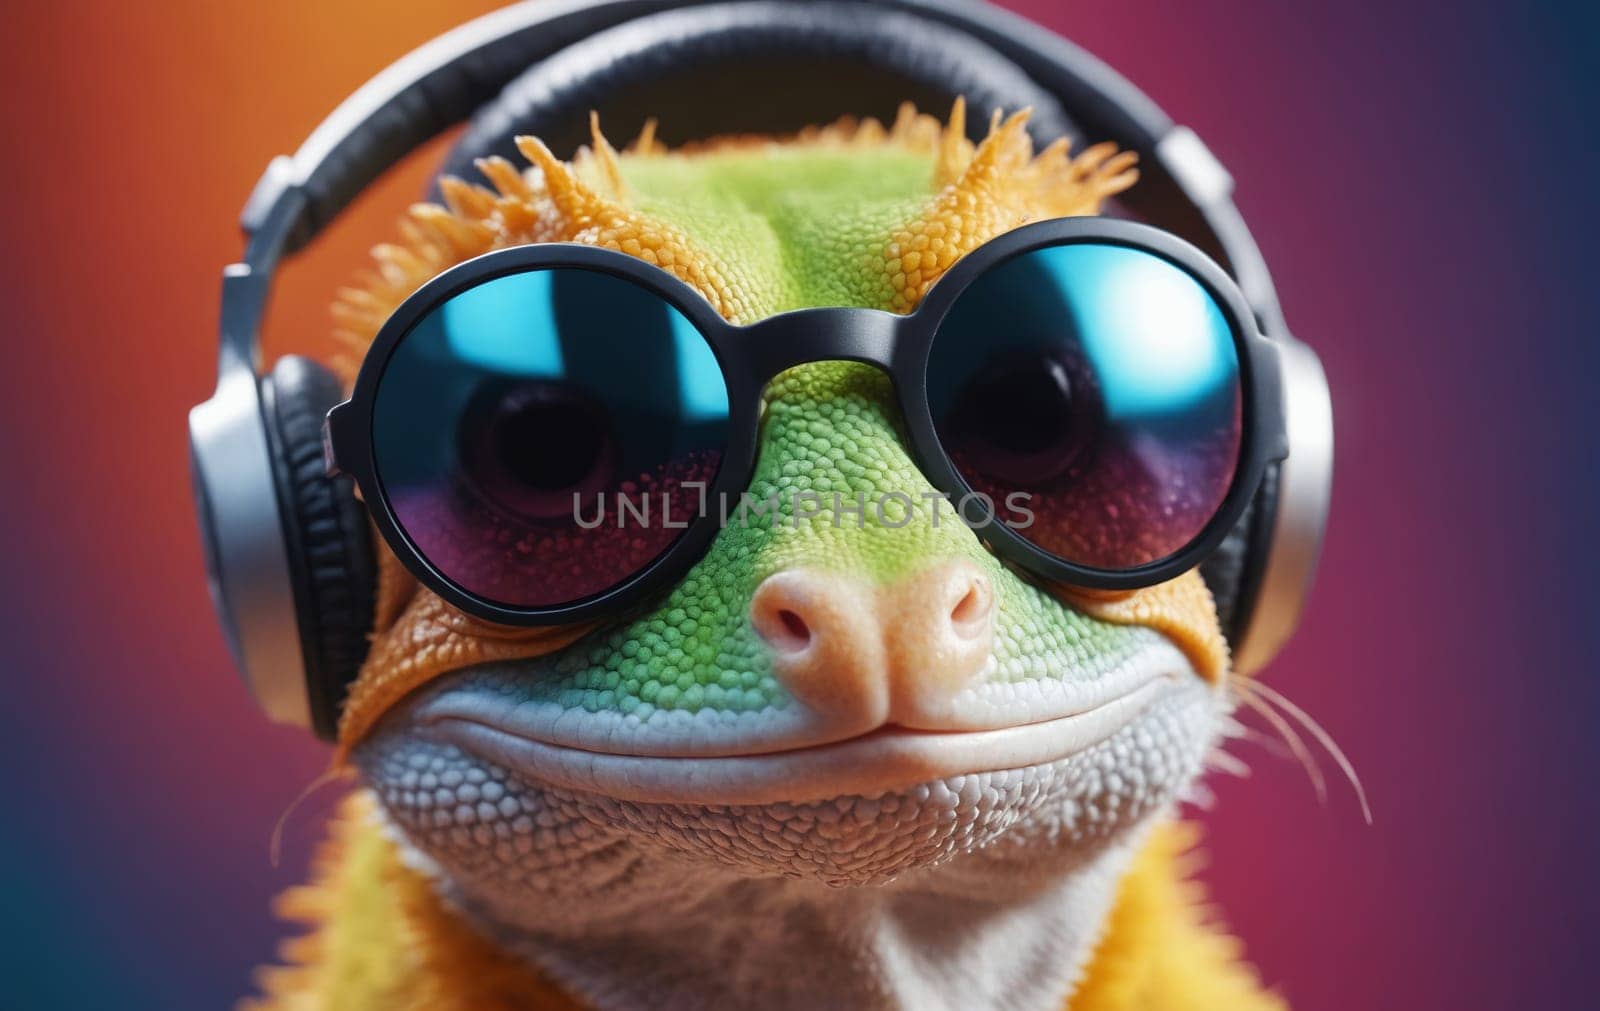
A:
x: 855, y: 213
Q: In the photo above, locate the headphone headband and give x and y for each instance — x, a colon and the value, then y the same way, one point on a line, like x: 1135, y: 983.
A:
x: 443, y: 82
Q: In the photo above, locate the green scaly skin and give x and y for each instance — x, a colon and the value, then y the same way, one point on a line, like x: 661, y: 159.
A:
x: 589, y: 807
x: 796, y: 223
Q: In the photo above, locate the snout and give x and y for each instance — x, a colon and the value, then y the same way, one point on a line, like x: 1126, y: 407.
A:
x: 863, y: 655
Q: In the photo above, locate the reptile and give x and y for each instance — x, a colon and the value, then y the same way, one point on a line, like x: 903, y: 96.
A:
x: 837, y: 765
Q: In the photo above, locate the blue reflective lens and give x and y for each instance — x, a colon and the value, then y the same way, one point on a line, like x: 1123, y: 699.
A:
x: 507, y: 326
x: 1093, y: 391
x: 514, y: 411
x: 1159, y: 342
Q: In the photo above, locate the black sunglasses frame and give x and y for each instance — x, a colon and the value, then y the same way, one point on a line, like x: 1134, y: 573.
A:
x: 750, y: 356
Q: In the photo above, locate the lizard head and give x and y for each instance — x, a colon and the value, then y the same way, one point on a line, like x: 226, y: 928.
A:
x: 845, y: 704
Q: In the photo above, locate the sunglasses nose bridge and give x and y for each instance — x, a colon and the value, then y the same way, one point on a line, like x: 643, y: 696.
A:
x: 872, y: 337
x: 835, y: 333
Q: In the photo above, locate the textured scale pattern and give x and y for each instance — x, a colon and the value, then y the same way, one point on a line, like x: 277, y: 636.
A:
x: 502, y: 834
x: 829, y: 431
x: 985, y: 888
x: 852, y: 214
x: 383, y: 939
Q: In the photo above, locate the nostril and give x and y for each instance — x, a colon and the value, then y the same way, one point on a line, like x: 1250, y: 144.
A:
x: 970, y: 616
x: 824, y: 637
x: 966, y: 607
x: 795, y: 628
x: 790, y: 613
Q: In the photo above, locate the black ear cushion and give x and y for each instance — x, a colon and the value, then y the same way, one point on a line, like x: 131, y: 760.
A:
x: 1233, y: 572
x: 753, y: 67
x: 331, y: 559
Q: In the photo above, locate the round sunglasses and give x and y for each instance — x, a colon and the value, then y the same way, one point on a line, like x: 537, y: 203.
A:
x: 550, y: 433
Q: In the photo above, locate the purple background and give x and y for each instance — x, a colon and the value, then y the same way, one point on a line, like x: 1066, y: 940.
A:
x: 1420, y: 178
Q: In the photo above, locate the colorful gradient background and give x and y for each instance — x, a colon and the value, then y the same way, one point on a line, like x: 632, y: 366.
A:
x: 1421, y: 179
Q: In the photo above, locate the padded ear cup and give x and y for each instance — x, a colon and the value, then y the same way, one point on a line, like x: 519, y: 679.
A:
x: 753, y: 67
x: 1233, y: 572
x: 331, y: 561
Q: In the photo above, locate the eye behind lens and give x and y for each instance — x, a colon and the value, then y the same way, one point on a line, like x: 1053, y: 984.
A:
x: 1027, y: 417
x: 1093, y: 392
x: 515, y: 420
x: 528, y: 447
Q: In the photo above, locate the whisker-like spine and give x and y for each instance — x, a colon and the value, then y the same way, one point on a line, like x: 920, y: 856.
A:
x: 1322, y: 737
x: 1227, y: 762
x: 1290, y: 736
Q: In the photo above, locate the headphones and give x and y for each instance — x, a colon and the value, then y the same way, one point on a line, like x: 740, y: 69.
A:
x: 289, y: 550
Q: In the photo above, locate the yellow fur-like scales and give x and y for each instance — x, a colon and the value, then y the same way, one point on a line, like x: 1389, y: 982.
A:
x: 380, y: 939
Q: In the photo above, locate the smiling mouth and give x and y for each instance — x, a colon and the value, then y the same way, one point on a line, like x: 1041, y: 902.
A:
x: 888, y: 758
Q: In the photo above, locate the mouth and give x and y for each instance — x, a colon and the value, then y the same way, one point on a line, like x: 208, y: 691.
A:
x: 884, y: 759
